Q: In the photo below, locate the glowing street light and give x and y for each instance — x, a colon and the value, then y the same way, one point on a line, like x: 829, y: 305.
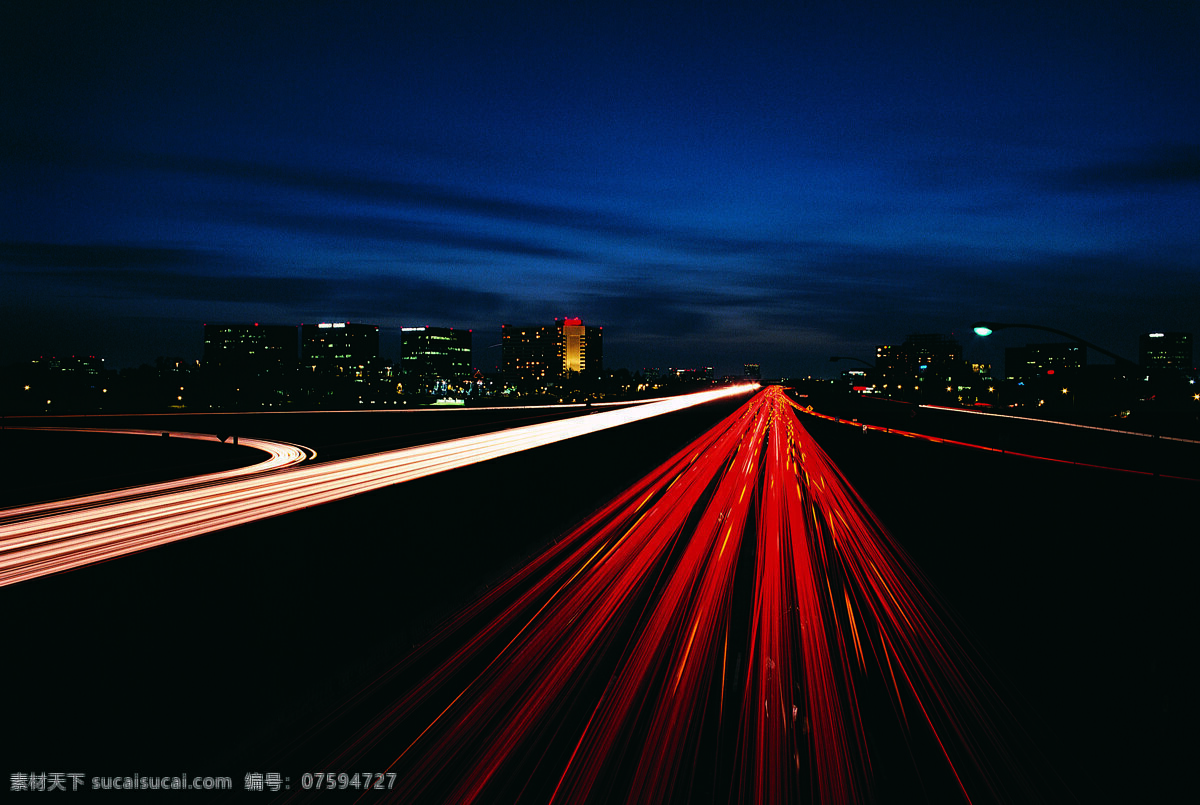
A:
x: 986, y: 328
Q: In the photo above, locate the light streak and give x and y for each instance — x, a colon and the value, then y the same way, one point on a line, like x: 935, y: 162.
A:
x: 1057, y: 422
x: 1004, y: 451
x: 279, y: 455
x: 44, y: 539
x: 606, y: 672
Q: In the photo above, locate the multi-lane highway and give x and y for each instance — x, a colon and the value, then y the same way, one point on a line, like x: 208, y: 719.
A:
x: 279, y: 455
x: 51, y: 538
x: 711, y: 634
x: 734, y: 626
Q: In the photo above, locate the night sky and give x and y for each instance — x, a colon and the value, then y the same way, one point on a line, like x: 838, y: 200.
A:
x: 713, y: 183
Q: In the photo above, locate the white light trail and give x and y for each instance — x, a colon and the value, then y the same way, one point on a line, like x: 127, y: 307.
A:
x: 1058, y: 422
x: 68, y: 537
x: 279, y: 455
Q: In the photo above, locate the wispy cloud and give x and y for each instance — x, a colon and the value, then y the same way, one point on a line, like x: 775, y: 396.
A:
x: 1164, y: 165
x: 32, y: 255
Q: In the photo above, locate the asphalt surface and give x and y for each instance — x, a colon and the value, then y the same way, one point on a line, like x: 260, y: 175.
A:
x: 210, y: 654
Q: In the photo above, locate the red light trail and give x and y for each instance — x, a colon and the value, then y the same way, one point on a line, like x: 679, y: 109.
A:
x: 51, y: 538
x: 955, y: 443
x: 709, y: 634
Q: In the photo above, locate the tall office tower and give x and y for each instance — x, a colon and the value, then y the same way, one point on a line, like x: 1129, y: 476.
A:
x: 535, y: 358
x: 887, y: 365
x: 582, y: 348
x: 931, y: 353
x: 529, y: 357
x: 433, y: 358
x: 922, y: 357
x: 752, y: 371
x: 249, y: 348
x: 340, y: 348
x: 1165, y: 351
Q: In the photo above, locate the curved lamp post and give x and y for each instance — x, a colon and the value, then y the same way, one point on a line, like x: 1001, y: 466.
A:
x: 848, y: 358
x: 986, y: 328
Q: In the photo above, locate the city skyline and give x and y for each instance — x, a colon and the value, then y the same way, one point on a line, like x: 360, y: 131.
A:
x: 715, y: 185
x: 1177, y: 354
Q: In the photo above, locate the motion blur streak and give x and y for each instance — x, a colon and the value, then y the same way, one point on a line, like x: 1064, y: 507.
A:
x: 939, y: 440
x: 707, y: 636
x: 279, y: 455
x: 38, y: 541
x: 1058, y: 423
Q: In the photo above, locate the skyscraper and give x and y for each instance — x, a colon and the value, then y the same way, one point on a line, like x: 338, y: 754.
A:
x: 248, y: 365
x: 249, y: 348
x: 536, y: 358
x: 922, y: 357
x: 339, y: 347
x: 434, y: 358
x: 1165, y: 351
x: 582, y: 348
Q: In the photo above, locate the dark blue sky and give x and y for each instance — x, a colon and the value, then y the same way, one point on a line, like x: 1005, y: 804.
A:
x: 714, y: 183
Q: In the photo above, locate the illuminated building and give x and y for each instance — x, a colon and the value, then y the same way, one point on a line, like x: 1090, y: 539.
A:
x: 753, y: 371
x: 902, y: 368
x: 1042, y: 360
x: 1165, y: 351
x: 582, y: 348
x: 249, y: 348
x: 339, y: 348
x: 575, y: 347
x: 931, y: 353
x: 700, y: 374
x: 433, y: 359
x: 539, y: 357
x: 59, y: 385
x: 529, y: 356
x: 88, y: 366
x: 887, y: 366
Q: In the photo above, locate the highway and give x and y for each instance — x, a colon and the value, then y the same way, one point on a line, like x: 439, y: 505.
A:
x: 52, y: 538
x: 279, y: 455
x: 715, y: 633
x: 727, y: 622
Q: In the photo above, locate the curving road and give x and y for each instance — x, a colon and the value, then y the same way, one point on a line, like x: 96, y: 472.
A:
x: 52, y: 538
x: 279, y: 455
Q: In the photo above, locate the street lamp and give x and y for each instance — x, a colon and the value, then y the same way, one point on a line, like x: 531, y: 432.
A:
x: 986, y: 328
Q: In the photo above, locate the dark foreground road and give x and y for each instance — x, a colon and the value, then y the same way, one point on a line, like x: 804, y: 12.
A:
x: 208, y: 656
x: 1078, y: 585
